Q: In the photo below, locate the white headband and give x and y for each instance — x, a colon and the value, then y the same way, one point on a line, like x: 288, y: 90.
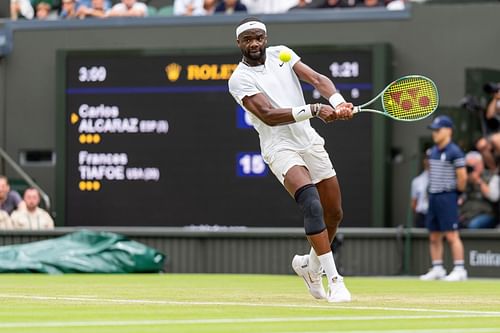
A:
x: 250, y: 25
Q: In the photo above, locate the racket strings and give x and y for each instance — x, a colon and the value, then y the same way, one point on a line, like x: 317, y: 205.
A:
x: 410, y: 98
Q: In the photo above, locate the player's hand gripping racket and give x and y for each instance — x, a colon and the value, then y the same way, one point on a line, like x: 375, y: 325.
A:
x: 409, y: 98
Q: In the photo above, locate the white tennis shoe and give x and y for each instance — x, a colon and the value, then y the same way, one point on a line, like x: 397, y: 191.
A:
x: 435, y: 273
x: 457, y: 274
x: 337, y: 291
x: 313, y: 280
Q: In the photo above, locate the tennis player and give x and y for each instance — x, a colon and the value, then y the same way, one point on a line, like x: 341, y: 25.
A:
x: 270, y: 90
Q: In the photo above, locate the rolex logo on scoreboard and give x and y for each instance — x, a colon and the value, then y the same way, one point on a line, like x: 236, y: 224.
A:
x: 173, y: 71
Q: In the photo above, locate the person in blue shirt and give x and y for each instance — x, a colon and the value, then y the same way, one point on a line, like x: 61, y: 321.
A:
x: 230, y: 7
x: 447, y: 177
x: 9, y: 200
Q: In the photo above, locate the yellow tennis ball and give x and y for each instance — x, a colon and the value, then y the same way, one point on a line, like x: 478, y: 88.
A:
x: 285, y: 55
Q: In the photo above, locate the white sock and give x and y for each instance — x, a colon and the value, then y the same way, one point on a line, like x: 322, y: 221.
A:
x: 459, y: 264
x: 437, y: 264
x: 314, y: 263
x: 328, y: 265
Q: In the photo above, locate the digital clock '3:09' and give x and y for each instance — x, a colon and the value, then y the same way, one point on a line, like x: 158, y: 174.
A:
x: 92, y: 74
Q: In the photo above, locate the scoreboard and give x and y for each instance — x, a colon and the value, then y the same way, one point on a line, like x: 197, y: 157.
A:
x: 155, y: 139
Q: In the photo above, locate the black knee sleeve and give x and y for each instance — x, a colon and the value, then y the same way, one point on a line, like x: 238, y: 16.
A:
x: 307, y: 198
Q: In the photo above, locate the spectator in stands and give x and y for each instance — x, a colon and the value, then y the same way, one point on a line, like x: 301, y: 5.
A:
x: 5, y: 221
x: 32, y: 217
x: 479, y: 202
x: 269, y: 6
x: 447, y: 176
x: 489, y: 145
x: 97, y: 10
x: 189, y: 7
x: 128, y: 8
x: 395, y: 4
x: 419, y: 194
x: 9, y: 200
x: 228, y: 7
x: 370, y: 3
x: 303, y: 4
x: 209, y: 7
x: 88, y: 4
x: 44, y: 11
x: 68, y: 10
x: 21, y: 9
x: 332, y: 4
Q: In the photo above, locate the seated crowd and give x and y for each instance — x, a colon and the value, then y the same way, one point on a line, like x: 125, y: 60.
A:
x: 81, y: 9
x: 22, y: 213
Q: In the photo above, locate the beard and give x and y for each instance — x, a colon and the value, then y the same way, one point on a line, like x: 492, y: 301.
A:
x: 256, y: 55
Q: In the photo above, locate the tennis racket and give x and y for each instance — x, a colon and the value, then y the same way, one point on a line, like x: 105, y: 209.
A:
x: 410, y: 98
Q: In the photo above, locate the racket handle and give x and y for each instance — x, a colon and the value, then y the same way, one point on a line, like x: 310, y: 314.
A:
x: 355, y: 110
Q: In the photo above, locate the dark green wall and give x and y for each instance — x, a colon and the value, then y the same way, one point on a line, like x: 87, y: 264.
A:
x: 439, y: 41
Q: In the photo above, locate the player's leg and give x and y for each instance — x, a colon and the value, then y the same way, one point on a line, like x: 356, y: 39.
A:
x: 329, y: 191
x: 330, y: 195
x: 290, y: 169
x: 323, y: 175
x: 297, y: 181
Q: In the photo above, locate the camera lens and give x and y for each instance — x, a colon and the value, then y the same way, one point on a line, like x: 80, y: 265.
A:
x: 469, y: 168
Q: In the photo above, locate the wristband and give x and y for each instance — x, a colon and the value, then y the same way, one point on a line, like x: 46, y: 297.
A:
x: 336, y: 99
x: 301, y: 113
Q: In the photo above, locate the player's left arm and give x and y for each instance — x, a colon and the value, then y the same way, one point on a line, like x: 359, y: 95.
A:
x: 323, y: 85
x: 319, y: 81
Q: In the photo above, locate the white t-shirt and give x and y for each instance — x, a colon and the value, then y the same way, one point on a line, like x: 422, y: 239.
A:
x: 279, y: 83
x: 419, y: 189
x: 25, y: 8
x: 268, y: 6
x: 120, y: 7
x: 181, y: 5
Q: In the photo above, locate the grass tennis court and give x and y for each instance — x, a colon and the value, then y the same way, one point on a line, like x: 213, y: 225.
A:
x: 241, y: 303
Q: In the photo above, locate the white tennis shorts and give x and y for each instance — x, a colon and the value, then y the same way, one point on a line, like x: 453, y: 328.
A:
x: 315, y: 159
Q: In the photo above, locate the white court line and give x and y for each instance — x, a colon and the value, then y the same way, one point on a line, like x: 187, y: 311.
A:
x: 220, y: 321
x: 416, y: 330
x: 274, y: 305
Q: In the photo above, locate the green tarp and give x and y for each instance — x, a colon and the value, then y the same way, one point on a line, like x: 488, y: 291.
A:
x: 81, y: 252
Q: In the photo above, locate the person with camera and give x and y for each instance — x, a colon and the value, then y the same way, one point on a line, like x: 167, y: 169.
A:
x: 489, y: 145
x: 478, y: 204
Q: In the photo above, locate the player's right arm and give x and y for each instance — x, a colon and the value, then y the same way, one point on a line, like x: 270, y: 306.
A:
x: 260, y: 106
x: 247, y: 94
